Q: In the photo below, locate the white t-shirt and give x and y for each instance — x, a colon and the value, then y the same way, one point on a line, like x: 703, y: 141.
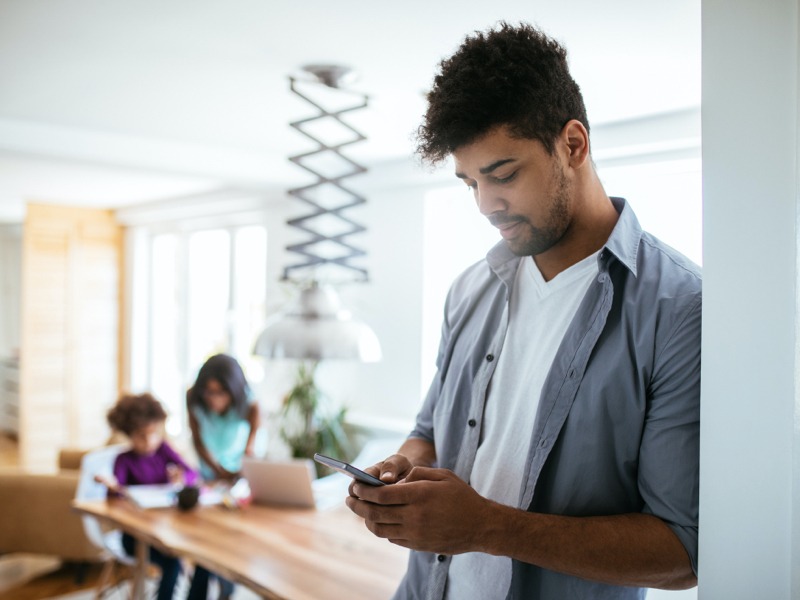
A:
x: 539, y: 313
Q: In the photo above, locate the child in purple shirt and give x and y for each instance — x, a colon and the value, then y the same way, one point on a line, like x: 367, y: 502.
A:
x: 149, y: 461
x: 162, y: 466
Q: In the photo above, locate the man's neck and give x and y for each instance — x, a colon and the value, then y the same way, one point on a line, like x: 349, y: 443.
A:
x: 588, y: 232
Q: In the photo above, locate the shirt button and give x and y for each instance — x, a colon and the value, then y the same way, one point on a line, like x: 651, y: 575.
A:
x: 490, y: 357
x: 543, y: 444
x: 602, y: 278
x: 441, y: 558
x: 472, y: 422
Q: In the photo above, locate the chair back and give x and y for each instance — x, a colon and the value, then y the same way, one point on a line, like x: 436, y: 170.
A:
x: 97, y: 462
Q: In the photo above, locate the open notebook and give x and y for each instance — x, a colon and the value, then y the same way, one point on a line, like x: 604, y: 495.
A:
x: 166, y: 494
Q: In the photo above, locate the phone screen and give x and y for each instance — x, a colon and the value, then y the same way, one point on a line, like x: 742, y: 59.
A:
x: 348, y: 469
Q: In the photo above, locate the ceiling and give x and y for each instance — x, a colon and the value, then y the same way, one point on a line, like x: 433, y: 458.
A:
x: 112, y: 102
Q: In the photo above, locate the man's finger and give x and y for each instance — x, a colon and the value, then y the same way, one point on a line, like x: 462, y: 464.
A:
x: 393, y: 468
x: 378, y: 494
x: 374, y: 513
x: 427, y: 474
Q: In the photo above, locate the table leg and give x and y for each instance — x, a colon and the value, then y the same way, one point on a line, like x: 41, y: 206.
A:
x: 140, y: 572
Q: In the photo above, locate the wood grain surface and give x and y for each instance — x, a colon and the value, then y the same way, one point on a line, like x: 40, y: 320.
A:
x: 279, y: 553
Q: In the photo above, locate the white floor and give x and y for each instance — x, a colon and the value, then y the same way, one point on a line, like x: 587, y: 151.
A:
x: 16, y: 569
x: 121, y: 593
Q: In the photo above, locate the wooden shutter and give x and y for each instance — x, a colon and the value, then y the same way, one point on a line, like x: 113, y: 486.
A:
x: 70, y: 330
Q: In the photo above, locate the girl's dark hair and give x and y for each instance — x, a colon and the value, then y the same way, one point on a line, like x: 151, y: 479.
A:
x: 513, y: 76
x: 134, y: 411
x: 227, y: 371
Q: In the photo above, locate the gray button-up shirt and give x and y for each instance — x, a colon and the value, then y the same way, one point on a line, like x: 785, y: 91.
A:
x: 618, y: 425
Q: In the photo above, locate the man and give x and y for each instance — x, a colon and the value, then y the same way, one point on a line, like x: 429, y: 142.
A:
x: 556, y: 454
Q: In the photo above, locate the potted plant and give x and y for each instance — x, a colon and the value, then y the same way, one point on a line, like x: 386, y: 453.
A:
x: 309, y: 422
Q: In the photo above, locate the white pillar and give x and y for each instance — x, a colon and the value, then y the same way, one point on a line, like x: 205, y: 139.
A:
x: 750, y: 439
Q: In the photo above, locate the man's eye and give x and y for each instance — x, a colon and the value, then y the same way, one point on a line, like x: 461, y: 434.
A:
x: 506, y: 179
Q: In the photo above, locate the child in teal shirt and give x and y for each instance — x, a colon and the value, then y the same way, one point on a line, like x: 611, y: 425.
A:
x: 223, y: 418
x: 224, y: 421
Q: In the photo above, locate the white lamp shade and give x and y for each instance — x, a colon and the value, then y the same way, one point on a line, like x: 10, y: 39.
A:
x: 316, y: 328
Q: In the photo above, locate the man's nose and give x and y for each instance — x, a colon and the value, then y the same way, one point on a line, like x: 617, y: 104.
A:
x: 488, y: 201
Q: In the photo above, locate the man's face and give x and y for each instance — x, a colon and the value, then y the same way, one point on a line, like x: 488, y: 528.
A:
x: 519, y: 187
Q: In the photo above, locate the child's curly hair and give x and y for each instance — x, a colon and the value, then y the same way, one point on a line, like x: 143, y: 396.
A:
x: 135, y: 411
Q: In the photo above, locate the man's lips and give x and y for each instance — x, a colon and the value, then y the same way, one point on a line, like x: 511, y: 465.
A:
x: 507, y: 226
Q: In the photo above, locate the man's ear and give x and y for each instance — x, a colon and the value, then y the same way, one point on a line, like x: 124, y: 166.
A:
x: 576, y: 140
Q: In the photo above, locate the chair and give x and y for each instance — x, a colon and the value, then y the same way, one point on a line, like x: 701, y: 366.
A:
x: 101, y: 462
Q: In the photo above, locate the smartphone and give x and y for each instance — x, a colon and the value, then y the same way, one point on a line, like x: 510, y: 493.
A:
x: 348, y: 470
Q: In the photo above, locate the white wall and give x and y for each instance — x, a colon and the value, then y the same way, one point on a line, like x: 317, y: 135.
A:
x: 10, y: 286
x: 383, y: 394
x: 750, y: 440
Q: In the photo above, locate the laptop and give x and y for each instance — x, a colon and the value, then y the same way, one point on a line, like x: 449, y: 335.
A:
x: 281, y: 483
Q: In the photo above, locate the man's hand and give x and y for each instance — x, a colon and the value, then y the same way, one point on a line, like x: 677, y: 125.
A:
x: 428, y: 509
x: 391, y: 470
x: 432, y: 510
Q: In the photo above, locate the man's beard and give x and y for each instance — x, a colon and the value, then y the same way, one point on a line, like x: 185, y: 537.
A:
x: 541, y: 239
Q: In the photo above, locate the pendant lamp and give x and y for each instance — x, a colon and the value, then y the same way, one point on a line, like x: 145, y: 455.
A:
x: 315, y: 326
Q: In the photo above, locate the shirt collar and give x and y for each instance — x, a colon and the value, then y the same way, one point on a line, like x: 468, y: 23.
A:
x: 626, y: 235
x: 623, y: 243
x: 503, y: 262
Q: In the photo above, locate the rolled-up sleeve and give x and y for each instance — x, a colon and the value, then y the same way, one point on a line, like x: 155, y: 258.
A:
x: 668, y: 466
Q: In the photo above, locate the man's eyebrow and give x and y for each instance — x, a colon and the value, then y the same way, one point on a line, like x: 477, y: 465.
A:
x: 498, y: 163
x: 489, y: 168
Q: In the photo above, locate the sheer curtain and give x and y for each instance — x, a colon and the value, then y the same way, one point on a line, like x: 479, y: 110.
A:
x: 207, y: 294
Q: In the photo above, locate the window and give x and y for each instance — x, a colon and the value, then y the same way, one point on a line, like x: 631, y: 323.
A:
x: 467, y: 239
x: 667, y: 198
x: 164, y: 350
x: 208, y: 301
x: 207, y: 294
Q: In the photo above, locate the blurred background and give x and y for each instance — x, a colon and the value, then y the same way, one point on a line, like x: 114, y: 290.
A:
x: 144, y: 168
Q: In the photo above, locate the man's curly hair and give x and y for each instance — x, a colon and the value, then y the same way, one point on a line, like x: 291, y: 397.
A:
x: 513, y: 75
x: 135, y: 411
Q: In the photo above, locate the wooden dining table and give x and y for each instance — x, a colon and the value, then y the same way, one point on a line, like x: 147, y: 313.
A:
x: 279, y: 553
